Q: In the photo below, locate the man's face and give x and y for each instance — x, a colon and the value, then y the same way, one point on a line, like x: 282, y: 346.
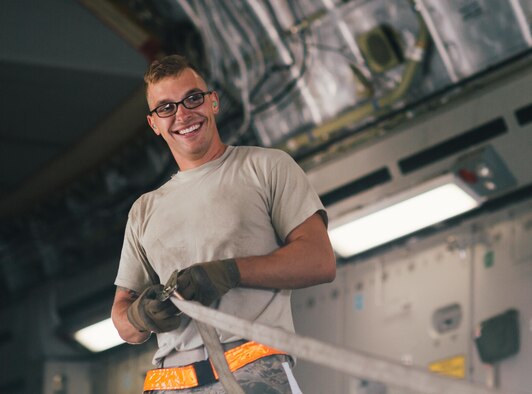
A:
x: 191, y: 134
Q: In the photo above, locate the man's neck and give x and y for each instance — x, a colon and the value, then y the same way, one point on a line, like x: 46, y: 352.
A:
x: 185, y: 165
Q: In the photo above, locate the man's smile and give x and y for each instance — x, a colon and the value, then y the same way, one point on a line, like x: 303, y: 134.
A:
x: 188, y: 129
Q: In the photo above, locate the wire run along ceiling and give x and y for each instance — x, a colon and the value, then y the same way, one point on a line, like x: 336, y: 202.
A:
x: 309, y: 71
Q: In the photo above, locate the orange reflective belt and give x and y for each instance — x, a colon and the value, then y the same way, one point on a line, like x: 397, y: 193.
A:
x: 193, y: 375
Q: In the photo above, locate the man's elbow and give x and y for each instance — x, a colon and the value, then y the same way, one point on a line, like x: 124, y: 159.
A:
x: 328, y: 271
x: 128, y: 333
x: 331, y: 272
x: 117, y: 322
x: 329, y: 261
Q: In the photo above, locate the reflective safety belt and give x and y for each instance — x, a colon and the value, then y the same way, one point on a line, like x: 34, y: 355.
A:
x: 202, y: 372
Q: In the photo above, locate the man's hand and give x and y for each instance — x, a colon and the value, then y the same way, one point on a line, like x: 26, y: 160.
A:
x: 206, y: 282
x: 147, y: 313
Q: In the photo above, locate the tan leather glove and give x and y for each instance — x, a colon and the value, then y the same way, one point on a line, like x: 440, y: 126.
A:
x: 206, y: 282
x: 147, y: 313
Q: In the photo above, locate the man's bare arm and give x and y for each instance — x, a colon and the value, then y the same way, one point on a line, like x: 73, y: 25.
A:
x: 307, y: 259
x: 123, y: 300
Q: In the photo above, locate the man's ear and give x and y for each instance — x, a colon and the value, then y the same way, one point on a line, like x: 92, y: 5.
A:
x: 215, y: 102
x: 152, y: 124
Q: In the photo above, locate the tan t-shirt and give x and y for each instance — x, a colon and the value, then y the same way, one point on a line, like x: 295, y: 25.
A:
x: 244, y: 203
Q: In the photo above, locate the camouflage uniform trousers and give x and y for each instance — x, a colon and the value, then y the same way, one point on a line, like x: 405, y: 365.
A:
x: 268, y: 375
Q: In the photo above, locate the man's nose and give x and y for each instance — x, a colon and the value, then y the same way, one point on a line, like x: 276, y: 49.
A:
x: 182, y: 112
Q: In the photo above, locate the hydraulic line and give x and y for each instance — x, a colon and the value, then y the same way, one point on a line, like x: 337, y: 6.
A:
x: 207, y: 35
x: 438, y: 42
x: 372, y: 107
x: 293, y: 83
x: 347, y: 36
x: 190, y: 12
x: 244, y: 88
x: 248, y: 33
x: 522, y: 22
x: 284, y: 53
x: 276, y: 99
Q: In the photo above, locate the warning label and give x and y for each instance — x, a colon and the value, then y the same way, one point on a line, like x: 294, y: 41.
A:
x: 453, y: 366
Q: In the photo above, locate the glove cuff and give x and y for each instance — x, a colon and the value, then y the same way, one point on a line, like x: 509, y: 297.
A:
x: 233, y: 272
x: 134, y: 318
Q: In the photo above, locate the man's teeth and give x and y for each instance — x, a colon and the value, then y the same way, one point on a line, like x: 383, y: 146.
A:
x: 189, y: 129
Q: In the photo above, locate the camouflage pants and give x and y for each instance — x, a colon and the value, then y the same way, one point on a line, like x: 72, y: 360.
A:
x: 268, y: 375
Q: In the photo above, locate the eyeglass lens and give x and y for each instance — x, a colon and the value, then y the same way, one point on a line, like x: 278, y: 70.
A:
x: 190, y: 102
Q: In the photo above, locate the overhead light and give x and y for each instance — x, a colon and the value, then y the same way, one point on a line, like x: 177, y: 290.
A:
x: 99, y: 336
x: 429, y: 203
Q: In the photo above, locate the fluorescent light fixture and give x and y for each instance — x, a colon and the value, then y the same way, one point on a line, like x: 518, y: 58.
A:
x: 99, y: 337
x: 420, y: 207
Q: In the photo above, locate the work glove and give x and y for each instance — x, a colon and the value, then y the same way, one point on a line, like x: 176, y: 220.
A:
x: 147, y: 313
x: 206, y: 282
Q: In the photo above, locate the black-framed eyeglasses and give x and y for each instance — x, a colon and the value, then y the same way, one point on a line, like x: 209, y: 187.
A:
x: 190, y: 102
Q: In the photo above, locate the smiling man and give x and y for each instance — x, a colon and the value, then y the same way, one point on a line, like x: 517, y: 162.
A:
x: 236, y: 228
x: 188, y: 126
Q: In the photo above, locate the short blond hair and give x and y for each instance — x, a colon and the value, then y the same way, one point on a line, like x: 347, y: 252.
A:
x: 168, y: 66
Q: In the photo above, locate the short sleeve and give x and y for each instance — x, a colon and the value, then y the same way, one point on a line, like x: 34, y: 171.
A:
x: 131, y: 272
x: 293, y: 200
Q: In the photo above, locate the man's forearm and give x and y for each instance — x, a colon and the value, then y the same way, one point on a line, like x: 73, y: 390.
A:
x: 307, y: 259
x: 123, y: 300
